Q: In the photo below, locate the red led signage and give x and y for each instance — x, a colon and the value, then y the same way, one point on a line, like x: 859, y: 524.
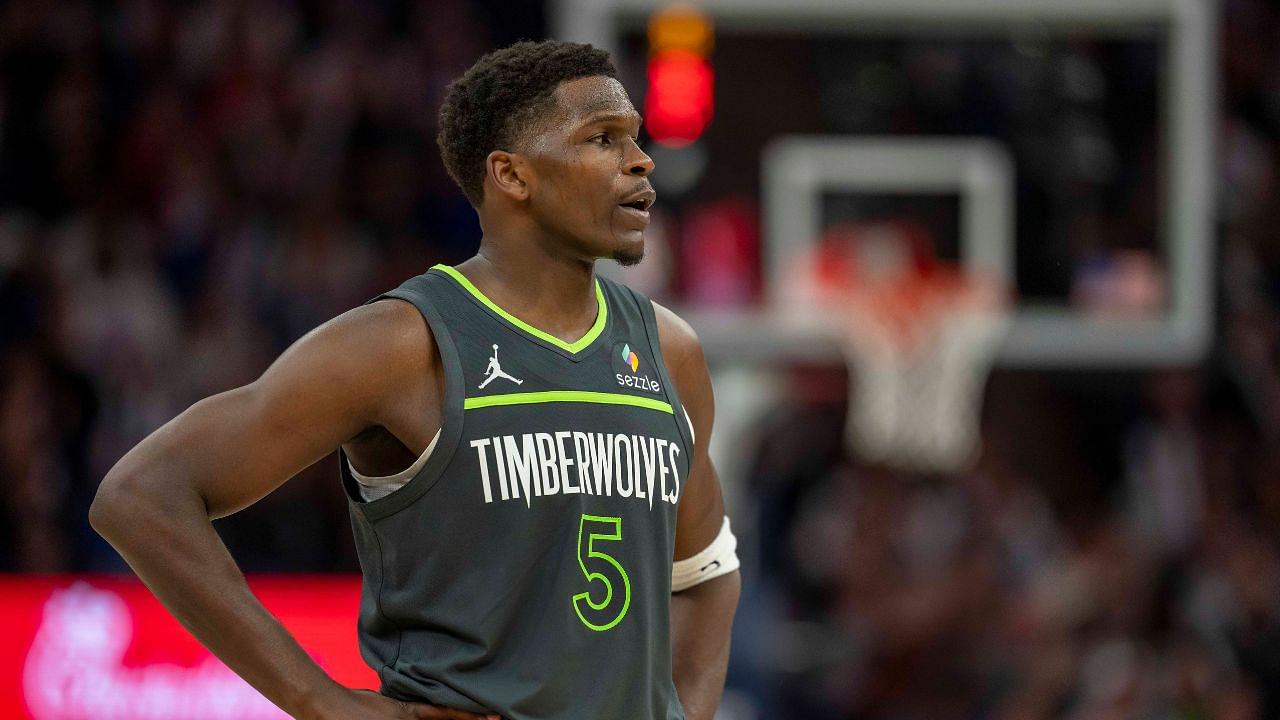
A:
x: 103, y: 648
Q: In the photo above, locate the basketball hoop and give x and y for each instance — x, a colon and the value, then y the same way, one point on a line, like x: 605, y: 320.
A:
x: 920, y: 337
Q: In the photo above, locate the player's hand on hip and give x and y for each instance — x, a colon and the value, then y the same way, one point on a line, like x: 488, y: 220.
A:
x: 369, y: 705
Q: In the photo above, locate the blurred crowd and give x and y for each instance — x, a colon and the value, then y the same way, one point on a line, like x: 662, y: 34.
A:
x: 1044, y: 583
x: 186, y: 188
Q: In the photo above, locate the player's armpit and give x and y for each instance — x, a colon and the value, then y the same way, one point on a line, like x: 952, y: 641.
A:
x: 233, y: 448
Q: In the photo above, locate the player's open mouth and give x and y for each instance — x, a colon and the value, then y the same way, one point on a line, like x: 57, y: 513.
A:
x: 640, y: 201
x: 638, y: 208
x: 635, y: 210
x: 642, y: 205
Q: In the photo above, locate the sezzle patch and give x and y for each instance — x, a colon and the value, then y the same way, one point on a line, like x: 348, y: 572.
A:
x: 631, y: 371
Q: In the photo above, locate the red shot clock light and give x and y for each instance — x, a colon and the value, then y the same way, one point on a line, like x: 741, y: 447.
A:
x: 678, y: 107
x: 679, y: 101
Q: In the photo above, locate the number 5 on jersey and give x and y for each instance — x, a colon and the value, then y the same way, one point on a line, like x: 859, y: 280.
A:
x: 599, y: 566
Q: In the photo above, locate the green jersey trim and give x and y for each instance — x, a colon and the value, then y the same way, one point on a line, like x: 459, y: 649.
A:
x: 602, y: 314
x: 575, y: 396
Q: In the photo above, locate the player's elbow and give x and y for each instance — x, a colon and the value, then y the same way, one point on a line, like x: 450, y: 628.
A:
x: 127, y: 502
x: 114, y: 504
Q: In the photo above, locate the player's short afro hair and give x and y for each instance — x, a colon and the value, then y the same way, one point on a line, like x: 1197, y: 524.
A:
x: 503, y: 93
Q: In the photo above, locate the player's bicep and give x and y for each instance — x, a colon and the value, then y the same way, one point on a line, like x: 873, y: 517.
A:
x: 233, y: 448
x: 700, y: 512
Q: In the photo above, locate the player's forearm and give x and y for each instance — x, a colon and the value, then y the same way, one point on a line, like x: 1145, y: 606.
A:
x: 701, y: 620
x: 168, y: 540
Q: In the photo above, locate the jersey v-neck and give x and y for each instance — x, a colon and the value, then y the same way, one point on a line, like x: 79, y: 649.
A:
x: 574, y: 350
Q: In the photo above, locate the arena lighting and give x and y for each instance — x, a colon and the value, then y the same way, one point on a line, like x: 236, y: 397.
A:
x: 679, y: 101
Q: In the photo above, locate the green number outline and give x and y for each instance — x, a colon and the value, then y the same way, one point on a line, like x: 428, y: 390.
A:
x: 616, y: 535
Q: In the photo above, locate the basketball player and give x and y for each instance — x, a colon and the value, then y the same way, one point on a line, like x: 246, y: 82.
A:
x: 523, y: 445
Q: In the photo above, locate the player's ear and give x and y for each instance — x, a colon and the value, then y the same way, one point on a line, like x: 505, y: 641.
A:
x: 509, y: 174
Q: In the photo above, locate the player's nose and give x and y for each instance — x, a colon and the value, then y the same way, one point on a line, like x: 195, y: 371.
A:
x: 638, y: 161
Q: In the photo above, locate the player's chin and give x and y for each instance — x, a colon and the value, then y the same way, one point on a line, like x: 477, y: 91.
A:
x: 628, y: 248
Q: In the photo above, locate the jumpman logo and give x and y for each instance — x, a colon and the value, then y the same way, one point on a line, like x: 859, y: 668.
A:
x: 494, y: 371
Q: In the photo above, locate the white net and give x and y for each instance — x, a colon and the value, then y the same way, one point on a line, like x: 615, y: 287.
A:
x: 919, y: 335
x: 916, y: 405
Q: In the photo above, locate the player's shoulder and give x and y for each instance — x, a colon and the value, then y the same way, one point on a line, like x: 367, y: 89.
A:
x: 389, y: 334
x: 679, y: 340
x: 687, y: 366
x: 392, y: 322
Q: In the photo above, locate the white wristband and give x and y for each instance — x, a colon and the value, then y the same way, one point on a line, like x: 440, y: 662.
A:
x: 718, y: 558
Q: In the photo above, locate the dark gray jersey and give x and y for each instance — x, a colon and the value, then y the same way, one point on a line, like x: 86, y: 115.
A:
x: 526, y: 569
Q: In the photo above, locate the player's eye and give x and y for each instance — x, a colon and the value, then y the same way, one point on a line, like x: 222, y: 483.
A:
x: 602, y: 138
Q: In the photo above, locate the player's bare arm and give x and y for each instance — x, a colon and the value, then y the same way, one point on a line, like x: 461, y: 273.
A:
x: 702, y: 615
x: 229, y: 450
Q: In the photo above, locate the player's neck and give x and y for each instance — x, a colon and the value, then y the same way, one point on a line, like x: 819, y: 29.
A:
x: 553, y: 293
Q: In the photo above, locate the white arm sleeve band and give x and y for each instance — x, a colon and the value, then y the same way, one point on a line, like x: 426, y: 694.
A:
x: 718, y: 558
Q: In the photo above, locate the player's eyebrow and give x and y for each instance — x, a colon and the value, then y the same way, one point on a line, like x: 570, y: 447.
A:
x: 612, y: 117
